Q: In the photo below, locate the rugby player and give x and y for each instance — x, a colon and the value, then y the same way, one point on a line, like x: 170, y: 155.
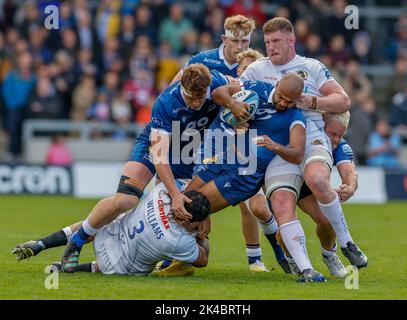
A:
x: 136, y: 241
x: 225, y: 59
x: 187, y: 104
x: 283, y: 130
x: 238, y: 30
x: 335, y: 127
x: 321, y: 94
x: 257, y: 203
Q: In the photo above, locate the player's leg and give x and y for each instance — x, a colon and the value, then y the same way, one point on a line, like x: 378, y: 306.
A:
x: 250, y: 229
x: 326, y: 236
x: 317, y: 175
x: 33, y: 247
x: 259, y: 207
x: 135, y: 177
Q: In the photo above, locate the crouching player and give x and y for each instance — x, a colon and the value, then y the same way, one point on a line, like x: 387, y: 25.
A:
x: 135, y: 242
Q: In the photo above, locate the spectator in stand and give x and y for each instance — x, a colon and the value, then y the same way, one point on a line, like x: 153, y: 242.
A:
x: 361, y: 47
x: 64, y: 77
x: 383, y: 146
x: 361, y: 126
x: 140, y: 91
x: 173, y: 28
x: 100, y: 110
x: 190, y: 43
x: 398, y: 112
x: 58, y: 153
x: 313, y: 46
x: 37, y: 46
x: 16, y: 91
x: 69, y: 42
x: 45, y: 103
x: 87, y: 35
x: 338, y: 50
x: 83, y: 96
x: 145, y: 25
x: 168, y: 66
x: 143, y: 57
x: 301, y: 34
x: 111, y: 84
x: 84, y: 64
x: 206, y: 41
x: 398, y: 81
x: 66, y: 16
x: 398, y: 45
x: 354, y: 81
x: 248, y: 8
x: 214, y: 25
x: 108, y: 19
x: 121, y: 114
x: 127, y: 37
x: 111, y: 54
x: 28, y: 17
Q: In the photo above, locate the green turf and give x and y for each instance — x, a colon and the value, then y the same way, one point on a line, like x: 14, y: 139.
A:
x: 379, y: 231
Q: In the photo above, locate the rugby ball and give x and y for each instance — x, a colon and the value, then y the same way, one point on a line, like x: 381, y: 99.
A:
x: 248, y: 96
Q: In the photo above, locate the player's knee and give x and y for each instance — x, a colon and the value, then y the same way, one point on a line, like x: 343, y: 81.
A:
x: 123, y: 202
x: 283, y: 203
x: 318, y: 181
x: 260, y: 210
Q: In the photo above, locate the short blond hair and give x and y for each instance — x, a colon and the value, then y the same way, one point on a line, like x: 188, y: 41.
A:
x: 249, y: 53
x: 238, y: 23
x: 343, y: 118
x: 278, y: 24
x: 196, y: 78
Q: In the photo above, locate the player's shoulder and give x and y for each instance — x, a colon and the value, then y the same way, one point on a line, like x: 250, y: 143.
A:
x: 202, y: 57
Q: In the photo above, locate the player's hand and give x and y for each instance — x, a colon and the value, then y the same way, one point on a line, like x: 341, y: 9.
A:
x: 241, y: 128
x: 204, y: 229
x: 240, y: 110
x: 344, y: 192
x: 178, y: 206
x: 304, y: 102
x: 265, y: 141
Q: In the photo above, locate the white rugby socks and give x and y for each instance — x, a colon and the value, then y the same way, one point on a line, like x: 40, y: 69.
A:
x: 294, y: 240
x: 333, y: 212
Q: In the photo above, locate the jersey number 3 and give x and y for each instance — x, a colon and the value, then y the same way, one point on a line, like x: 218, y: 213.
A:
x: 136, y: 229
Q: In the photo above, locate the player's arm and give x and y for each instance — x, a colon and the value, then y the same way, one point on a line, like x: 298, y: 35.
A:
x: 334, y: 99
x: 223, y: 96
x: 160, y: 146
x: 349, y: 176
x: 202, y: 260
x: 294, y: 151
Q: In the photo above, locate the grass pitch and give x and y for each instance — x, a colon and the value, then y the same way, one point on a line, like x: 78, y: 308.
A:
x: 378, y: 229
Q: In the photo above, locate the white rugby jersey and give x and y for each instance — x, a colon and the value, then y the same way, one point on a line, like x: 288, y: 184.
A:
x: 314, y: 73
x: 147, y: 235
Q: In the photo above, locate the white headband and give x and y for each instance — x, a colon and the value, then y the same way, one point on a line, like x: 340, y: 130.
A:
x: 189, y: 93
x: 241, y: 35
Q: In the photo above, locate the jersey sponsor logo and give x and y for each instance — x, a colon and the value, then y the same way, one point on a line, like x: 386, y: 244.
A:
x: 227, y: 184
x: 212, y: 61
x: 163, y: 217
x: 317, y: 142
x: 302, y: 73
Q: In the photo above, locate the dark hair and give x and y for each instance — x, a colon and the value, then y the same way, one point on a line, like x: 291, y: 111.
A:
x: 199, y: 207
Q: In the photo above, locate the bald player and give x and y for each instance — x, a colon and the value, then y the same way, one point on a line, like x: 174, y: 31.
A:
x: 280, y: 131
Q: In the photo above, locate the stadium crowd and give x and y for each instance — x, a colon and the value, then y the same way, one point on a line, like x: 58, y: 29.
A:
x: 110, y: 59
